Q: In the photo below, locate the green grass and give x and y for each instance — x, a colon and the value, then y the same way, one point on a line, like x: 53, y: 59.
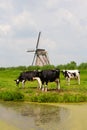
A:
x: 72, y: 93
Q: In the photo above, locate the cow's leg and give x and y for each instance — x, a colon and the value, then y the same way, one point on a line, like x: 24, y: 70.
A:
x: 46, y: 86
x: 23, y: 83
x: 42, y: 85
x: 58, y: 83
x: 68, y: 80
x: 39, y: 81
x: 79, y: 79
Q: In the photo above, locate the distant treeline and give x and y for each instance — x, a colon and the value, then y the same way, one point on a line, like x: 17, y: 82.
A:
x: 71, y: 65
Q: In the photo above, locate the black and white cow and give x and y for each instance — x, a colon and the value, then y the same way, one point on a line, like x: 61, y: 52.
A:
x: 71, y: 74
x: 28, y: 76
x: 49, y: 76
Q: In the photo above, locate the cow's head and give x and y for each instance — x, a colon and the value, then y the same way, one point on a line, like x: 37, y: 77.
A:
x: 65, y: 73
x: 17, y: 81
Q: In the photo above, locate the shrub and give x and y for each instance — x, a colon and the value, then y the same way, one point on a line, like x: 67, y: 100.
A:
x: 54, y: 98
x: 47, y: 97
x: 11, y: 96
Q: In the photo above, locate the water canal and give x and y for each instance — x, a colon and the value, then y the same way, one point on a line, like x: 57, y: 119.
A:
x: 30, y: 116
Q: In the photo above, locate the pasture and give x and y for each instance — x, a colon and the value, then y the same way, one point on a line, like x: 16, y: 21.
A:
x: 10, y: 92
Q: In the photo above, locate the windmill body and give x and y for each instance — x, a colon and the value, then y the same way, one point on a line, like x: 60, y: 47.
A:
x: 40, y: 55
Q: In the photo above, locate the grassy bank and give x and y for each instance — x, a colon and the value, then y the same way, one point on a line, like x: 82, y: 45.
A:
x: 10, y: 92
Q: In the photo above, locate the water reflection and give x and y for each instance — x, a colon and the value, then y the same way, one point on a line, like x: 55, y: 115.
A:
x: 27, y: 116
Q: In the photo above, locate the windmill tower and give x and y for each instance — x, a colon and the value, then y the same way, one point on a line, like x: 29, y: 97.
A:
x: 40, y: 55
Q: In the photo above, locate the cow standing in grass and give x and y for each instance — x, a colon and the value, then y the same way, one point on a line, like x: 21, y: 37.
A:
x: 49, y: 76
x: 28, y: 76
x: 71, y: 74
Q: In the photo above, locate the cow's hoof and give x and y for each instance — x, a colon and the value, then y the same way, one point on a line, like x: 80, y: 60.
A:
x: 42, y: 89
x: 45, y: 89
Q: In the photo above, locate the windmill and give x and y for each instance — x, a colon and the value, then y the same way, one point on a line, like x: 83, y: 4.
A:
x: 40, y: 55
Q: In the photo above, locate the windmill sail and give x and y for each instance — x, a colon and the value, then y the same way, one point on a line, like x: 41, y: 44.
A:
x: 38, y: 40
x: 36, y: 48
x: 34, y: 58
x: 30, y: 50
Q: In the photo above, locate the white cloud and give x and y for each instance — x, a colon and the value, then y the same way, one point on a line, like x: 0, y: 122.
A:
x: 13, y: 52
x: 66, y: 18
x: 47, y: 43
x: 4, y: 29
x: 51, y: 3
x: 24, y: 19
x: 5, y: 4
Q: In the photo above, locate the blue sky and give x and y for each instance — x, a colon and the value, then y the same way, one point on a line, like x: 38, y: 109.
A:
x: 63, y: 26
